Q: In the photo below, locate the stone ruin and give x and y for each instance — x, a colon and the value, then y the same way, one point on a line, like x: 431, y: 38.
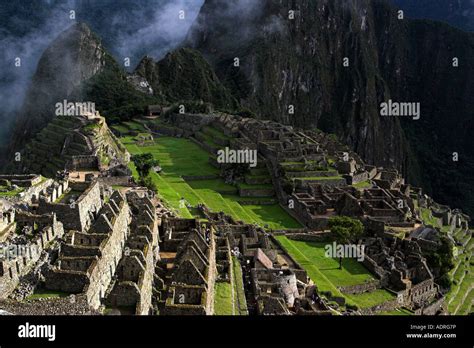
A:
x: 106, y: 246
x: 22, y: 250
x: 125, y: 252
x: 401, y: 268
x: 187, y: 270
x: 274, y: 282
x: 312, y: 173
x: 316, y: 178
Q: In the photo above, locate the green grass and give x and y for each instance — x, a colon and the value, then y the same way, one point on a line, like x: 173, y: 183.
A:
x: 369, y: 299
x: 399, y: 311
x: 256, y: 187
x: 216, y: 133
x: 363, y: 184
x: 136, y: 126
x: 240, y: 302
x: 209, y: 140
x: 44, y: 293
x: 327, y: 276
x: 455, y: 304
x: 215, y: 184
x: 428, y: 219
x: 11, y: 192
x: 228, y: 300
x: 223, y: 302
x: 457, y: 291
x: 120, y: 128
x: 181, y: 157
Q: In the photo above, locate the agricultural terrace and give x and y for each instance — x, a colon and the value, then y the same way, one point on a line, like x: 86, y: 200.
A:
x: 183, y: 162
x: 327, y: 276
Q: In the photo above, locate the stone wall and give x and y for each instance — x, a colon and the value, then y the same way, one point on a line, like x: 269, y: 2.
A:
x: 434, y: 308
x: 74, y: 276
x: 116, y: 181
x: 186, y: 300
x: 256, y: 192
x: 83, y: 163
x: 101, y: 272
x: 311, y: 237
x: 383, y: 307
x: 78, y: 215
x: 361, y: 288
x: 12, y: 269
x: 21, y: 180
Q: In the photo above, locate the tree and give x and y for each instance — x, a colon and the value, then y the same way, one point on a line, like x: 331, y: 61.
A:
x: 149, y: 183
x: 144, y: 162
x: 345, y: 229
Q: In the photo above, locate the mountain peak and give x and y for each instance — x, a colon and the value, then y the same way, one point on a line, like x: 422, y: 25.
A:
x: 74, y: 56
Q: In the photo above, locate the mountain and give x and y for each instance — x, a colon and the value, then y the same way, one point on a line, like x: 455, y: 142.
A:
x: 299, y: 62
x: 75, y: 56
x: 66, y: 137
x: 251, y: 55
x: 458, y: 13
x: 185, y: 75
x: 77, y: 68
x: 127, y: 30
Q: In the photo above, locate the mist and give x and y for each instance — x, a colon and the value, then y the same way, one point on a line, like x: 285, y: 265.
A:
x: 23, y: 38
x: 127, y: 30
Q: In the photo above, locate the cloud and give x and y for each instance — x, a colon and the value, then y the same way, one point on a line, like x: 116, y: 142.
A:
x: 127, y: 29
x: 27, y: 46
x: 159, y: 34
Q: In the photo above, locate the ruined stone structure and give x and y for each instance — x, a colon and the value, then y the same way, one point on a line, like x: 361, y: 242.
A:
x: 400, y: 266
x: 87, y: 262
x: 132, y: 286
x: 74, y: 143
x: 188, y: 268
x: 77, y: 208
x: 22, y: 251
x: 313, y: 175
x: 125, y: 252
x: 315, y: 178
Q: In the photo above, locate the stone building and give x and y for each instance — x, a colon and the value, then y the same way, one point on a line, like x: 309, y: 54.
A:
x: 20, y: 252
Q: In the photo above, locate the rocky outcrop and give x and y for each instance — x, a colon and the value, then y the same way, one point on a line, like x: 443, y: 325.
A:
x: 73, y: 143
x: 184, y: 75
x: 75, y: 56
x: 299, y: 62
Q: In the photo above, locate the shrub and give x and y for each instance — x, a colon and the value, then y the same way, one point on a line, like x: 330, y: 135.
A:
x: 149, y: 183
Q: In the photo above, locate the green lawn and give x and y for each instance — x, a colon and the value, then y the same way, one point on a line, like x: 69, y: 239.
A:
x: 257, y: 187
x: 10, y: 192
x: 181, y: 157
x: 120, y: 128
x: 428, y: 218
x: 240, y: 302
x: 327, y: 276
x: 363, y: 184
x: 400, y: 311
x: 223, y: 304
x: 44, y: 293
x: 136, y: 126
x: 215, y: 133
x: 228, y: 301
